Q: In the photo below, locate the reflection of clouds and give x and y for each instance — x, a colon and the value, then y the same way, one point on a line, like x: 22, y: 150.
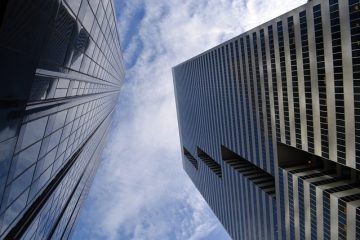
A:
x: 9, y: 123
x: 148, y: 195
x: 81, y: 44
x: 64, y: 47
x: 6, y: 151
x: 65, y: 43
x: 14, y: 209
x: 9, y: 130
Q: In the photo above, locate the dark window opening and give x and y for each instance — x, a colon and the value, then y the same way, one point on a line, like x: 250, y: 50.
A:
x: 256, y: 175
x: 290, y: 157
x: 191, y: 159
x: 211, y: 163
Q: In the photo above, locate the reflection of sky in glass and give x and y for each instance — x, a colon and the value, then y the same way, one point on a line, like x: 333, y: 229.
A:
x: 7, y: 132
x: 64, y: 43
x: 33, y: 131
x: 26, y: 158
x: 6, y: 151
x: 60, y: 119
x: 20, y: 184
x: 44, y: 163
x: 44, y: 178
x: 15, y: 208
x: 54, y: 139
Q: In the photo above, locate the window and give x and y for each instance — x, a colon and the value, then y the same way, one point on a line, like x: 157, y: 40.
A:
x: 256, y: 175
x: 211, y: 163
x: 191, y: 159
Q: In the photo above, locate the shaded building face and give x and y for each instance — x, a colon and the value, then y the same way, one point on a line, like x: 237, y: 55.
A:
x: 269, y: 125
x: 61, y: 72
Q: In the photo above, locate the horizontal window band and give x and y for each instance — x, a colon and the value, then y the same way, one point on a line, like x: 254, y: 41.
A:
x: 191, y: 159
x: 256, y: 175
x: 211, y: 163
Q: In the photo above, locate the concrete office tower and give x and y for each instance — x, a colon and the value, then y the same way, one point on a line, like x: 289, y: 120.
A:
x: 61, y: 71
x: 270, y: 125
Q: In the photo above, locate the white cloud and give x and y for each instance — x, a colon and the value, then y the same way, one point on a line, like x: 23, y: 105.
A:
x: 141, y: 191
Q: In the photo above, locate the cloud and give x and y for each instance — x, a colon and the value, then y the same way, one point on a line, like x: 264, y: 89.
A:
x: 141, y: 190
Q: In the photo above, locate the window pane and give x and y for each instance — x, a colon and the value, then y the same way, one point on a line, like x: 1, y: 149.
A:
x: 32, y: 132
x: 25, y: 159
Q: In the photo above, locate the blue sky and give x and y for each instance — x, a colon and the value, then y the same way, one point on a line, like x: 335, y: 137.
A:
x: 141, y: 190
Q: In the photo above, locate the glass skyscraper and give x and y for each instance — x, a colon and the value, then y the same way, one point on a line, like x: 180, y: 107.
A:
x: 61, y: 73
x: 270, y: 125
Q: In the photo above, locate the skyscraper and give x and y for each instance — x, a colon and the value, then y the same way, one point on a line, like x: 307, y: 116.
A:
x: 61, y: 72
x: 270, y: 125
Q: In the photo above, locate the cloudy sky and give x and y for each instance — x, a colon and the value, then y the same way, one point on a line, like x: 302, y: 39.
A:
x: 141, y: 190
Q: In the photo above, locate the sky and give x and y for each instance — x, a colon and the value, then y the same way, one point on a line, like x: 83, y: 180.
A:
x: 141, y: 191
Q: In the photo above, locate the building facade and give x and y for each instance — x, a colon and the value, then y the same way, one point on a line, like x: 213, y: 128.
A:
x: 269, y: 124
x: 61, y: 73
